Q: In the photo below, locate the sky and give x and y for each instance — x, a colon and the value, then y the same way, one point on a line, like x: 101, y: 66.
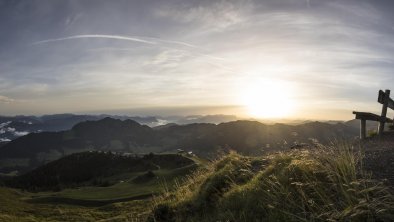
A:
x: 301, y: 59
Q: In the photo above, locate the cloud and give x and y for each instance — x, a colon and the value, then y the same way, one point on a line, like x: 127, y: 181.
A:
x: 5, y: 99
x: 20, y: 133
x: 212, y: 15
x: 168, y: 58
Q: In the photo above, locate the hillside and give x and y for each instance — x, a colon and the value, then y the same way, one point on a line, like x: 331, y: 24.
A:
x: 15, y: 206
x: 325, y: 184
x: 93, y: 185
x: 328, y: 183
x: 247, y: 137
x: 95, y: 169
x: 35, y: 149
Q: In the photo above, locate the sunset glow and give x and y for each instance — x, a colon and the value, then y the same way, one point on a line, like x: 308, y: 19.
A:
x: 270, y: 59
x: 268, y: 99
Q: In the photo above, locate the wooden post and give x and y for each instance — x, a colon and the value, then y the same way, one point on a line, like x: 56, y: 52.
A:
x: 363, y: 130
x: 384, y: 111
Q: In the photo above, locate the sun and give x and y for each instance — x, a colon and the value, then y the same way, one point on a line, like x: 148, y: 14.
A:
x: 268, y: 99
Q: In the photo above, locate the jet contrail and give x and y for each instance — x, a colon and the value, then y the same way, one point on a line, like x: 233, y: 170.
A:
x: 147, y: 40
x: 141, y: 39
x: 173, y: 42
x: 97, y: 36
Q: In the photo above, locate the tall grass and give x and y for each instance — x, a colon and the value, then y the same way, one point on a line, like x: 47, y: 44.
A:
x: 324, y: 184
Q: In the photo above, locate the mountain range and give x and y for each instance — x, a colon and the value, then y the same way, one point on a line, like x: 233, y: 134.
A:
x: 128, y: 136
x: 12, y: 127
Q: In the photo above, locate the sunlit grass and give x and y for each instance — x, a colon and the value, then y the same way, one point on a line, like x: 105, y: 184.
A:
x: 326, y: 184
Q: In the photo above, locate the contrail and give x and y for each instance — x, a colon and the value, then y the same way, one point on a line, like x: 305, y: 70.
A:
x: 141, y: 39
x: 97, y: 36
x: 174, y: 42
x: 147, y: 40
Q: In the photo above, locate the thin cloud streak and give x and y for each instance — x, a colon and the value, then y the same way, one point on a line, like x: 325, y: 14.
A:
x: 5, y: 99
x: 173, y: 42
x: 116, y: 37
x: 147, y: 40
x: 155, y: 41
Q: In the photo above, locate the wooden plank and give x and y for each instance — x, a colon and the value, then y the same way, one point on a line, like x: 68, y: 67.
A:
x: 390, y: 103
x: 366, y: 116
x: 371, y: 117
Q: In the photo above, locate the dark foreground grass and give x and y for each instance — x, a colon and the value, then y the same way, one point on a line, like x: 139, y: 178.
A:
x: 325, y: 184
x: 128, y: 200
x: 14, y: 208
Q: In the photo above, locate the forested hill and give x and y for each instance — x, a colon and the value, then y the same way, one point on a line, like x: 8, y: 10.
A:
x: 94, y: 168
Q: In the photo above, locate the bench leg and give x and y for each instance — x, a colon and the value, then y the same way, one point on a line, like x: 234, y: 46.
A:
x: 381, y: 128
x: 363, y: 129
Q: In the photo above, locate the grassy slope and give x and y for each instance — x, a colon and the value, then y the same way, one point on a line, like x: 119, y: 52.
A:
x: 90, y: 203
x: 93, y: 169
x: 125, y: 189
x: 327, y: 184
x: 13, y: 207
x: 16, y: 205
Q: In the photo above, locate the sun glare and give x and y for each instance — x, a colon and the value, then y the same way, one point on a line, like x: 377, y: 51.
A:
x: 268, y: 99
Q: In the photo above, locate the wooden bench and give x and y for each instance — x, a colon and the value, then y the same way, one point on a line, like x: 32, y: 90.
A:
x: 387, y: 102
